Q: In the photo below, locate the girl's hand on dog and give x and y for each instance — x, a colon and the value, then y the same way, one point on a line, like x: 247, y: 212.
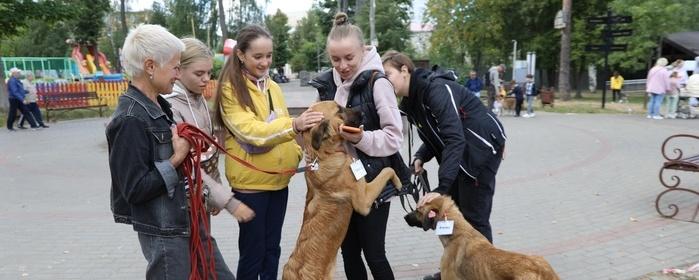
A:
x: 427, y: 198
x: 307, y: 120
x: 243, y: 213
x: 353, y: 138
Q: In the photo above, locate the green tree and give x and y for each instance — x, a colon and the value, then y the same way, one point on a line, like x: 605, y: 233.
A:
x: 307, y: 43
x: 278, y: 25
x: 188, y: 17
x: 158, y: 15
x: 392, y: 24
x: 88, y: 24
x: 245, y: 12
x: 652, y: 20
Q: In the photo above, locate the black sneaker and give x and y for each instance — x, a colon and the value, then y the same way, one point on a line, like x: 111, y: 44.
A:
x: 436, y: 276
x: 44, y: 126
x: 21, y: 127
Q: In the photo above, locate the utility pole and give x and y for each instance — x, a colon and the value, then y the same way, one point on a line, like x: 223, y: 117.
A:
x: 222, y: 21
x: 564, y: 64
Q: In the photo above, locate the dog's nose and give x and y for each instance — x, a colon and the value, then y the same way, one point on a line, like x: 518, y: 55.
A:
x: 412, y: 220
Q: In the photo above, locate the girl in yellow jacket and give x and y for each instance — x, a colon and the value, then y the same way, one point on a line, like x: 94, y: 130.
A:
x: 260, y: 132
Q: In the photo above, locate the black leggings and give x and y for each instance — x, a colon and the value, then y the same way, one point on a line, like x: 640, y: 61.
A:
x: 518, y: 106
x: 367, y: 234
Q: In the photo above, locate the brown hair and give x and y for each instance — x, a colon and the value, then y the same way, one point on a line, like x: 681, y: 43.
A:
x: 342, y: 28
x: 397, y: 60
x: 232, y: 71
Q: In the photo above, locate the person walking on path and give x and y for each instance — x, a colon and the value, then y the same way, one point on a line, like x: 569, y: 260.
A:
x: 530, y: 91
x: 251, y: 107
x: 16, y: 95
x: 673, y: 95
x: 474, y: 84
x: 657, y: 85
x: 144, y: 153
x: 30, y: 101
x: 616, y: 83
x: 466, y: 138
x: 519, y: 97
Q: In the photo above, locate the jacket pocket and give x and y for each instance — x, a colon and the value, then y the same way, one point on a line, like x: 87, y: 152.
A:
x: 162, y: 139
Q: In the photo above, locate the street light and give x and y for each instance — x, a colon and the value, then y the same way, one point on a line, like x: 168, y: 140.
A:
x: 514, y: 57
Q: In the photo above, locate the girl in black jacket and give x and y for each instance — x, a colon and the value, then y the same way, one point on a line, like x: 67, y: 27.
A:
x: 457, y: 129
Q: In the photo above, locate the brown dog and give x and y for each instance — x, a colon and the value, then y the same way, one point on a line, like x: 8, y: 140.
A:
x: 469, y: 255
x: 333, y: 193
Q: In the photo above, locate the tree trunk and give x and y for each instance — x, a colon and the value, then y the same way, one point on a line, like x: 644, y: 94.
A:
x: 579, y: 71
x: 564, y: 65
x: 4, y: 102
x: 124, y: 29
x: 222, y: 21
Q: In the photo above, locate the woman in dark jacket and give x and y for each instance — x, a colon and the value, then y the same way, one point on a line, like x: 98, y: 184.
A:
x: 455, y: 127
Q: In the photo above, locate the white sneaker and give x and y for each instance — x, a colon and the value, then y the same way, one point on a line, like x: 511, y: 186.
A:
x: 649, y: 117
x: 525, y: 115
x: 657, y: 117
x: 532, y: 115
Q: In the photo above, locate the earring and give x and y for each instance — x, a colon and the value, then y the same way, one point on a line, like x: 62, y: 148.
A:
x: 151, y: 76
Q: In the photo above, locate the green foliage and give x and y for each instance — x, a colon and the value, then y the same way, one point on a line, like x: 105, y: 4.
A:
x: 158, y: 15
x: 89, y: 20
x: 245, y: 12
x: 308, y: 43
x: 278, y: 25
x: 188, y: 17
x: 15, y: 15
x: 39, y: 38
x: 652, y: 19
x: 392, y: 24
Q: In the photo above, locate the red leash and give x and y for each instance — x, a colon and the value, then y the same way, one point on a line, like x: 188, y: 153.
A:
x: 200, y: 142
x: 200, y: 269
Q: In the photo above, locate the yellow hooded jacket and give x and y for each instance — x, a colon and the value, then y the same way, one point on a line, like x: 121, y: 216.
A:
x: 252, y: 127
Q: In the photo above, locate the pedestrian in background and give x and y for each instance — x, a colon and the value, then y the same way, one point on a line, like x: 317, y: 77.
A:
x: 616, y: 83
x: 474, y: 84
x: 530, y: 91
x: 494, y: 83
x: 30, y: 101
x: 657, y: 85
x: 16, y: 95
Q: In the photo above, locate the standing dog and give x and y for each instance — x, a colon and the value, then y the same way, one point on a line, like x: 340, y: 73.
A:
x: 468, y: 255
x: 333, y: 193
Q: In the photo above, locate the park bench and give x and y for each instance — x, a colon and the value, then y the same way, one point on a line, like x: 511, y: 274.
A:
x: 65, y: 101
x: 681, y: 164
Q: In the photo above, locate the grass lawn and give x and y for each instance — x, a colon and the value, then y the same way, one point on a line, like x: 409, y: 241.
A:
x: 591, y: 103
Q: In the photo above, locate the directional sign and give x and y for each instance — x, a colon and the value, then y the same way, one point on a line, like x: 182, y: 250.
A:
x: 618, y: 33
x: 621, y: 19
x: 597, y: 20
x: 605, y: 48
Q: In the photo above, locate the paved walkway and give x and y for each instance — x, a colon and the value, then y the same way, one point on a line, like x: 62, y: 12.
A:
x: 577, y: 189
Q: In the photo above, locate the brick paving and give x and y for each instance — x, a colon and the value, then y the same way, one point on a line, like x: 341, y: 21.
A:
x: 576, y: 189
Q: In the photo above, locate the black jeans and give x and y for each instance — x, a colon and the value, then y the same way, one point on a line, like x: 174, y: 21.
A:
x: 367, y: 234
x: 475, y: 197
x: 259, y: 239
x: 518, y: 106
x: 34, y: 113
x: 16, y: 104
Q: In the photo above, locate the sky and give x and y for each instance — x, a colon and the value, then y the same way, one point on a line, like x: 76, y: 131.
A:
x: 294, y: 9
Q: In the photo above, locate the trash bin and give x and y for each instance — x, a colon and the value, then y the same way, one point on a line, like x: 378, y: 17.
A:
x: 547, y: 96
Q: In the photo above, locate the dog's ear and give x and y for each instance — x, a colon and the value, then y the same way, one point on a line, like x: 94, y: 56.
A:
x: 429, y: 221
x: 319, y: 133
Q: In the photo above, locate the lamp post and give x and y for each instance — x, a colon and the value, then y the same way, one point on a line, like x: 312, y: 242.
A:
x: 514, y: 57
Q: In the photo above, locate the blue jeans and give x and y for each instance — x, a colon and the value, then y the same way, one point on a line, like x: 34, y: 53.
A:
x: 530, y: 104
x: 169, y: 258
x: 259, y: 238
x: 656, y: 99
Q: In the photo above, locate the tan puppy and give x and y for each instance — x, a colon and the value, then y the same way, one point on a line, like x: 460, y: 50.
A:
x: 333, y: 193
x: 469, y: 255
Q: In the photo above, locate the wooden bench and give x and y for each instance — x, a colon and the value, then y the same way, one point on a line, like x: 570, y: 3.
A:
x: 684, y: 164
x: 65, y: 101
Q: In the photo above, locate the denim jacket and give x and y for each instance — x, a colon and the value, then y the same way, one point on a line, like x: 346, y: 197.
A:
x: 147, y: 191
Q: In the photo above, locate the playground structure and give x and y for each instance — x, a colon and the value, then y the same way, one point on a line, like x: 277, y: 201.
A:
x: 86, y: 64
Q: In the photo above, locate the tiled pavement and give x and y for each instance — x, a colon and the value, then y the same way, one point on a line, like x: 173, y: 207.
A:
x: 577, y: 189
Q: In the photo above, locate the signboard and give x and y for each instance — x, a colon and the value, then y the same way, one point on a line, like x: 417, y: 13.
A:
x: 604, y: 48
x: 559, y: 21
